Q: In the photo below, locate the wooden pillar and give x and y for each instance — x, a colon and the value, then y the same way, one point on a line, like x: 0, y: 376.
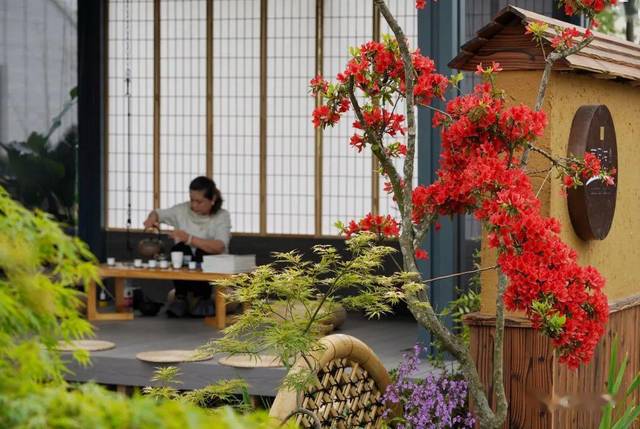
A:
x: 91, y: 58
x: 318, y: 165
x: 156, y: 104
x: 264, y: 10
x: 209, y: 90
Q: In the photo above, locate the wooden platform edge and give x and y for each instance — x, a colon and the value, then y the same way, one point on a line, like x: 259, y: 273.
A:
x: 520, y: 321
x: 485, y: 319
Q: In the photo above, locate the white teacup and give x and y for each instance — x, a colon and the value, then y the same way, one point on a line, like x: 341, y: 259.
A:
x: 193, y: 265
x: 111, y: 261
x: 137, y: 263
x: 176, y: 259
x: 153, y: 263
x: 164, y: 264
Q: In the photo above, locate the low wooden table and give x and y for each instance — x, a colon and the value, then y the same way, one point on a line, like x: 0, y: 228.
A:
x: 121, y: 273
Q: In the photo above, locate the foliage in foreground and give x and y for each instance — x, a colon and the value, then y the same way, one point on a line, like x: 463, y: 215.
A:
x: 39, y: 268
x: 38, y: 301
x: 292, y: 299
x: 91, y: 406
x: 222, y: 392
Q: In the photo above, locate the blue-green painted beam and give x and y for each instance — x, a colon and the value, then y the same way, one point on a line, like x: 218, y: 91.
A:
x: 440, y: 28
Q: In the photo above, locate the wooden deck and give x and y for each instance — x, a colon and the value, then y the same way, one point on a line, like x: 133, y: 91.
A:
x: 389, y: 338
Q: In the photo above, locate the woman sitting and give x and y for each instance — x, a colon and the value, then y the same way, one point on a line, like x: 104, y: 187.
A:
x: 202, y: 227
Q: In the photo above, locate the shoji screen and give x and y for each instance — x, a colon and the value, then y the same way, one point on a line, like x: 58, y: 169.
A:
x: 138, y: 169
x: 182, y: 97
x: 290, y: 133
x: 236, y: 109
x: 347, y: 182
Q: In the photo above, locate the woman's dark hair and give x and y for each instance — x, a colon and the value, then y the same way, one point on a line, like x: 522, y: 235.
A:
x: 209, y: 189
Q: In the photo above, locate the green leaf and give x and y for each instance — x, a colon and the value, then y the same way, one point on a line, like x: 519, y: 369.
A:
x: 455, y: 79
x: 612, y: 365
x: 620, y: 375
x: 630, y: 415
x: 605, y: 420
x: 633, y: 386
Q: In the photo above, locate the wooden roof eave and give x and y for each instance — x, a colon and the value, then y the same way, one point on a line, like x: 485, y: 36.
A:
x: 606, y: 57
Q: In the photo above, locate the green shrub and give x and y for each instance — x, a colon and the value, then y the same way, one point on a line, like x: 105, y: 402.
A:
x: 40, y: 267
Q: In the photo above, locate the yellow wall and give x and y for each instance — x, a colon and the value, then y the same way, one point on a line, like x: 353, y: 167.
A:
x: 617, y: 257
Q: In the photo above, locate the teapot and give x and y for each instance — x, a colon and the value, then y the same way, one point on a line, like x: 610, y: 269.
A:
x: 150, y: 247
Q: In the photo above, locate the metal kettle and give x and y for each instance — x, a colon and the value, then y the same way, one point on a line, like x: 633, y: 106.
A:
x: 151, y: 247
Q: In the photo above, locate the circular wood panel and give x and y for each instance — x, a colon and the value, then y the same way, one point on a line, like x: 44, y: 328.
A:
x: 592, y: 205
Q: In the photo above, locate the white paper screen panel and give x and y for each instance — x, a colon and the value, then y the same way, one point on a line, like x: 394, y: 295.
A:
x: 236, y: 109
x: 182, y: 97
x: 139, y: 168
x: 347, y: 182
x: 290, y: 133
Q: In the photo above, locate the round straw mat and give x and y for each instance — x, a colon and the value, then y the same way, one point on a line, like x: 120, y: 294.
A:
x: 251, y: 361
x: 172, y: 356
x: 88, y: 345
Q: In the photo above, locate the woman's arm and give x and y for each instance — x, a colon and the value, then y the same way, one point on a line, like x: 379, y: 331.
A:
x: 167, y: 216
x: 211, y: 246
x: 153, y: 220
x: 208, y: 246
x: 220, y: 233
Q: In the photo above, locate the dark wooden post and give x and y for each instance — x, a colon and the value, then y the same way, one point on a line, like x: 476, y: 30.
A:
x: 90, y: 123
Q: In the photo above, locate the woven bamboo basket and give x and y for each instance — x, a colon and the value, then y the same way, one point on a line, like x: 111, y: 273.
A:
x: 352, y: 381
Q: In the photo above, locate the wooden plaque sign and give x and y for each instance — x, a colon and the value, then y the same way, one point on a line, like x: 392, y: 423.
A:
x: 592, y: 205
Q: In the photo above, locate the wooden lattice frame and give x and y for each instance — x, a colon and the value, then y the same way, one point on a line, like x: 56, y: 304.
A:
x: 351, y: 383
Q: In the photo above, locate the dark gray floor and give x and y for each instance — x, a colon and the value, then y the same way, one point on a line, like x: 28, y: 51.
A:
x: 389, y: 338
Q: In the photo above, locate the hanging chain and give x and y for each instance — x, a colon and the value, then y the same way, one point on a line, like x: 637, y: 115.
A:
x: 127, y: 80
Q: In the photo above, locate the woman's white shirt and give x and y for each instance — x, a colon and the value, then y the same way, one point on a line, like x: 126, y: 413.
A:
x: 208, y: 227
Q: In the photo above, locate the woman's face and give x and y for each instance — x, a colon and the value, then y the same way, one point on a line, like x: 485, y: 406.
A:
x: 199, y: 203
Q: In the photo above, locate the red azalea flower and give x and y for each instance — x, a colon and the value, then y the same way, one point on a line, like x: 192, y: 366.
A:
x: 422, y: 254
x: 568, y: 181
x: 318, y: 85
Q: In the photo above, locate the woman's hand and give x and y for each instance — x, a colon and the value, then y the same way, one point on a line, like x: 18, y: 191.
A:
x: 152, y: 221
x: 179, y: 235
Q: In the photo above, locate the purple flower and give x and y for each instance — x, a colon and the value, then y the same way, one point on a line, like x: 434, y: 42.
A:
x: 438, y: 401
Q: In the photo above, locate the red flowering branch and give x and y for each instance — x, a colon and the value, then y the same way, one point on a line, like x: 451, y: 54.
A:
x: 564, y: 46
x: 377, y: 149
x: 588, y: 7
x: 484, y: 144
x: 429, y: 85
x: 385, y: 227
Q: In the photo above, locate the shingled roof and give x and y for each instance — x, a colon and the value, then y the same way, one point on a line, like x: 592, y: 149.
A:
x: 503, y: 40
